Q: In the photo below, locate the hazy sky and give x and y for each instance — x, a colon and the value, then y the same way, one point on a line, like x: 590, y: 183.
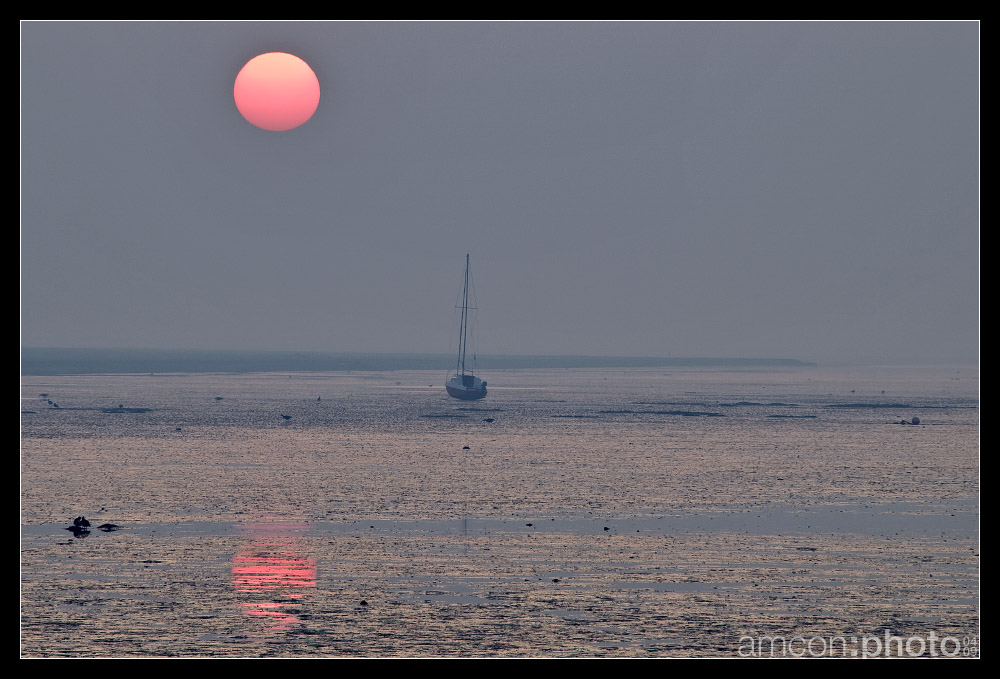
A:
x: 789, y: 190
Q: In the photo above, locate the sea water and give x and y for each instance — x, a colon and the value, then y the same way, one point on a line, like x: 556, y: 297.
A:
x: 573, y: 512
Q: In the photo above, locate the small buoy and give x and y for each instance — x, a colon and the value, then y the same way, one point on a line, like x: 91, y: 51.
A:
x: 915, y: 420
x: 555, y: 579
x: 364, y: 603
x: 606, y: 528
x: 465, y: 448
x: 488, y: 419
x: 528, y: 524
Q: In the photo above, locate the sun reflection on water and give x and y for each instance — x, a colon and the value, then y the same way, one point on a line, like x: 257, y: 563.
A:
x: 276, y: 570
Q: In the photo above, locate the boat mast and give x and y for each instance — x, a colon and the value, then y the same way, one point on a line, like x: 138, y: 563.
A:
x: 463, y: 330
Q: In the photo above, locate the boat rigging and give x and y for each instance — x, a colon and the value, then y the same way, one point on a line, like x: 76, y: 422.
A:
x: 465, y: 385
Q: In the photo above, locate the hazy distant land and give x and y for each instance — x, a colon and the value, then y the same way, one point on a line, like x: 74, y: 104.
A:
x: 56, y: 361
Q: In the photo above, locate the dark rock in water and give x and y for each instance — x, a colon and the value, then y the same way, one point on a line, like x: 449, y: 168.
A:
x: 529, y: 524
x: 555, y: 579
x: 915, y: 420
x: 43, y: 396
x: 488, y: 419
x: 466, y: 448
x: 218, y: 398
x: 80, y: 527
x: 108, y: 527
x: 606, y: 528
x: 286, y: 417
x: 364, y: 603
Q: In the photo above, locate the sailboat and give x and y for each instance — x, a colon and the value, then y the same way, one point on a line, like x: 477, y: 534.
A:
x: 465, y: 385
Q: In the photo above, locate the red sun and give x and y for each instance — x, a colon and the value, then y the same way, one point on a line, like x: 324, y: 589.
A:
x: 276, y: 91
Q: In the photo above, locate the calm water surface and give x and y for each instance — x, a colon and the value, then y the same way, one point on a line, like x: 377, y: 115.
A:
x: 588, y: 512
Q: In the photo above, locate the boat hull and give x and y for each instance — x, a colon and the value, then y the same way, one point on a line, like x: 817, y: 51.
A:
x: 466, y: 388
x: 465, y: 394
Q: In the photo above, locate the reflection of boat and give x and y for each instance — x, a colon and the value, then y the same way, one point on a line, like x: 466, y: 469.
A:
x: 462, y: 385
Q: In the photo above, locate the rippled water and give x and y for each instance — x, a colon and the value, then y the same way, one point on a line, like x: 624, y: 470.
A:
x: 591, y: 512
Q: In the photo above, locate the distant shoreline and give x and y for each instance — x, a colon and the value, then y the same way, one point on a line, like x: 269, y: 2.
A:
x: 52, y: 361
